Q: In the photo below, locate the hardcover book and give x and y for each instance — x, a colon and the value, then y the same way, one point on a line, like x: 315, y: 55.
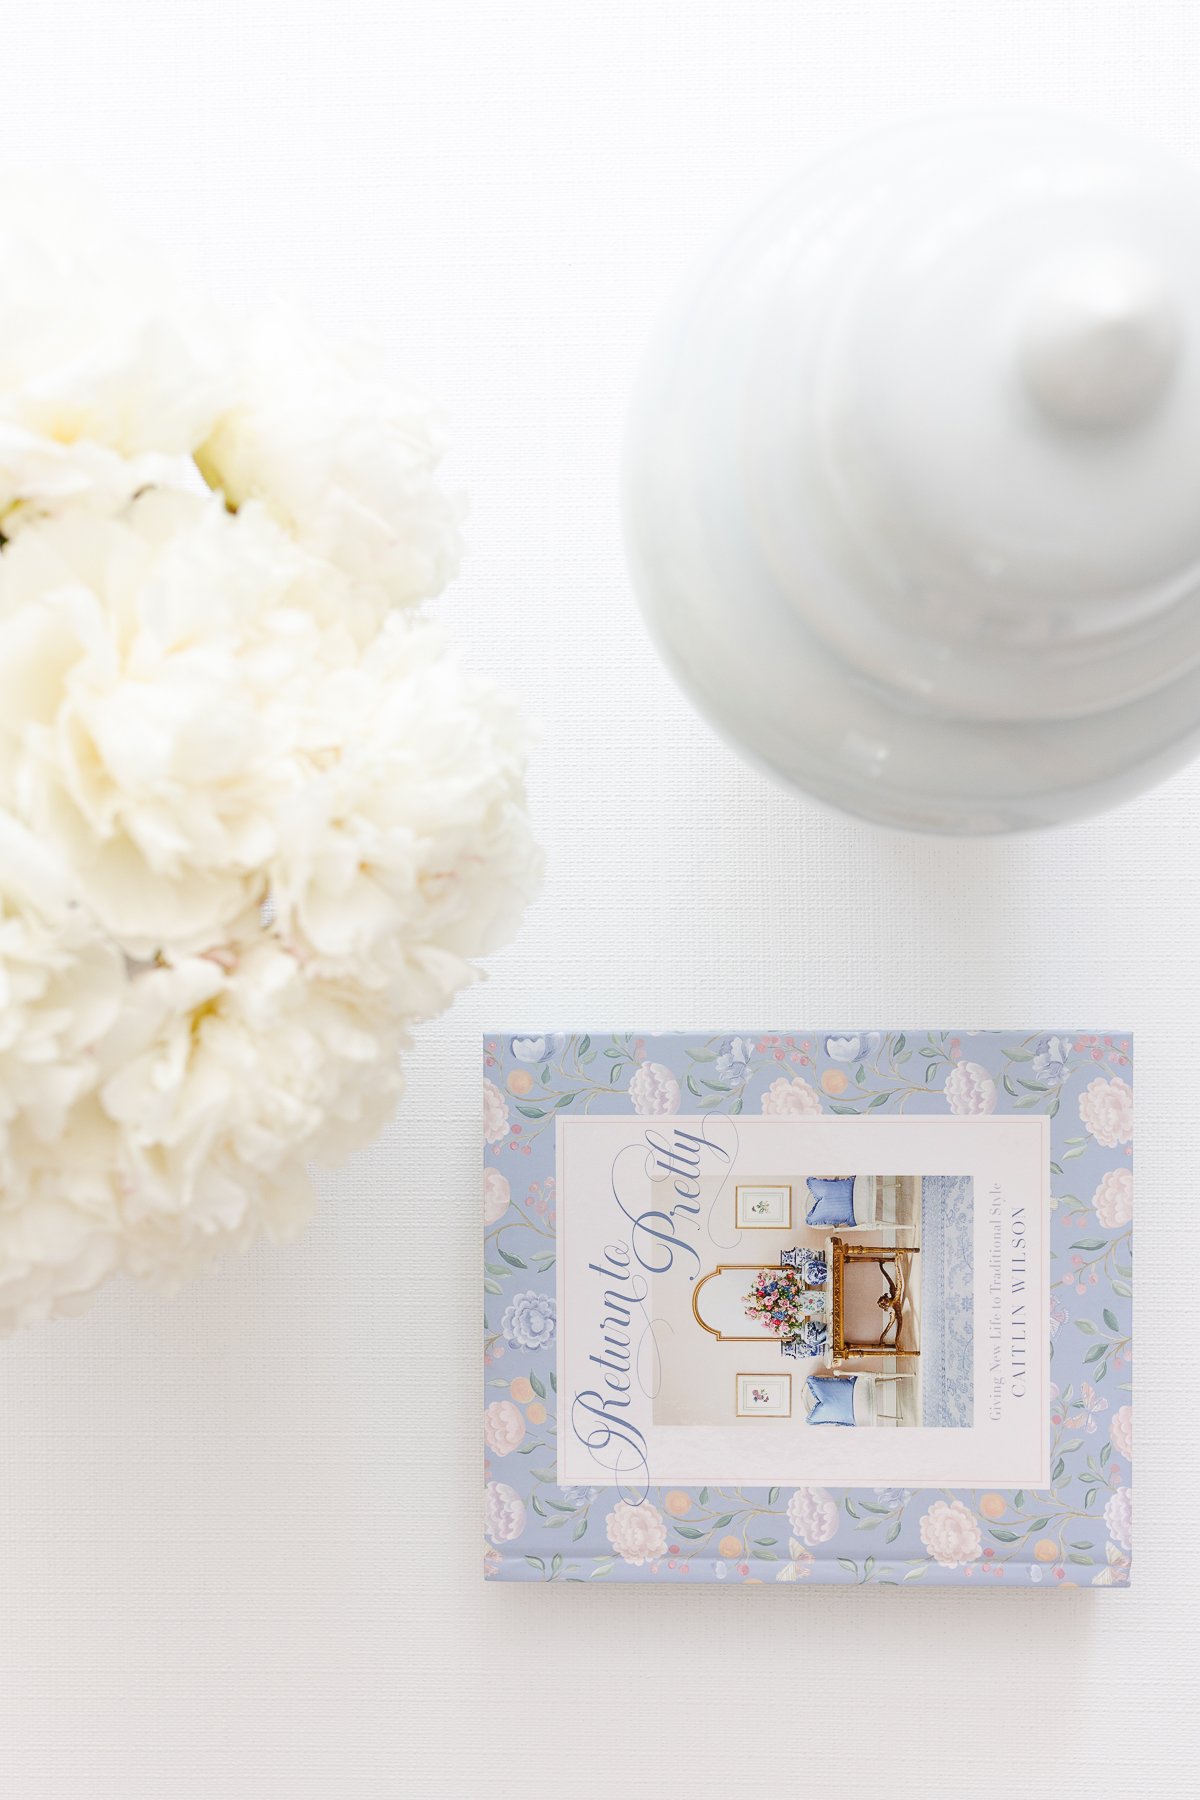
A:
x: 847, y: 1306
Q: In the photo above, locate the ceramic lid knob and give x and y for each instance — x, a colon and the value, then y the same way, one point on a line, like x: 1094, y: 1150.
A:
x: 913, y: 476
x: 1101, y: 342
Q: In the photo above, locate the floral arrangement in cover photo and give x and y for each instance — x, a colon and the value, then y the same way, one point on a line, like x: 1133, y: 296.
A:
x: 255, y: 817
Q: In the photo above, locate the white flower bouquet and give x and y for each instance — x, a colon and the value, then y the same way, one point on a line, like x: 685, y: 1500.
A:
x: 255, y: 819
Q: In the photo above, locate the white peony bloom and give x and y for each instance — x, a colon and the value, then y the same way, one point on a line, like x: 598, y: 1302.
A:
x: 149, y: 670
x: 62, y: 984
x: 340, y: 458
x: 107, y: 367
x: 254, y: 822
x: 395, y: 881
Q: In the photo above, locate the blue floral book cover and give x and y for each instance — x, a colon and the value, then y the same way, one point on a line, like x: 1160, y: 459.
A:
x: 844, y: 1306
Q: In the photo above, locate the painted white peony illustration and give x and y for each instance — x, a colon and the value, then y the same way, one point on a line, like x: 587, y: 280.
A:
x: 1122, y: 1432
x: 255, y: 818
x: 1106, y: 1109
x: 813, y: 1515
x: 637, y: 1533
x: 794, y: 1099
x: 950, y: 1533
x: 496, y: 1195
x: 495, y: 1114
x: 503, y: 1426
x: 1118, y: 1517
x: 654, y: 1090
x: 969, y: 1089
x: 504, y: 1512
x: 1112, y: 1201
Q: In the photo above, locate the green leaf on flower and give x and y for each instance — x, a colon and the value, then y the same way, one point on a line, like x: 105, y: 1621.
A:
x: 893, y: 1532
x: 845, y: 1563
x: 1095, y: 1353
x: 772, y: 1496
x: 490, y: 1286
x: 704, y: 1496
x: 580, y: 1528
x: 765, y: 1555
x: 1088, y: 1244
x: 724, y: 1520
x: 687, y: 1531
x: 1085, y: 1325
x: 514, y: 1262
x: 530, y: 1112
x: 879, y: 1100
x: 535, y: 1562
x: 1110, y: 1319
x: 536, y: 1385
x: 1005, y: 1537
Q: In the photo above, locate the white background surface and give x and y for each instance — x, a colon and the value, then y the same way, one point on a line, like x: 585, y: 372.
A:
x: 240, y: 1532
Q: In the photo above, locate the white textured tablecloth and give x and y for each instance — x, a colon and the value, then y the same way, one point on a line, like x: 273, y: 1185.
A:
x: 240, y: 1532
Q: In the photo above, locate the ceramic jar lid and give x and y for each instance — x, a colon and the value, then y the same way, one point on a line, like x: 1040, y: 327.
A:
x: 913, y: 478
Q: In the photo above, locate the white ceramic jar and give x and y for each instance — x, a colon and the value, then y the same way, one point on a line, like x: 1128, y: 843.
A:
x: 913, y: 477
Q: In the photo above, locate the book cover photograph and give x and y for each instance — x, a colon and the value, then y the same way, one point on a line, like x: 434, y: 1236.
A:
x: 849, y: 1307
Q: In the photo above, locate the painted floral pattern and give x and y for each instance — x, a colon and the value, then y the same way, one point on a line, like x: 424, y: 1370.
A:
x: 1077, y: 1532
